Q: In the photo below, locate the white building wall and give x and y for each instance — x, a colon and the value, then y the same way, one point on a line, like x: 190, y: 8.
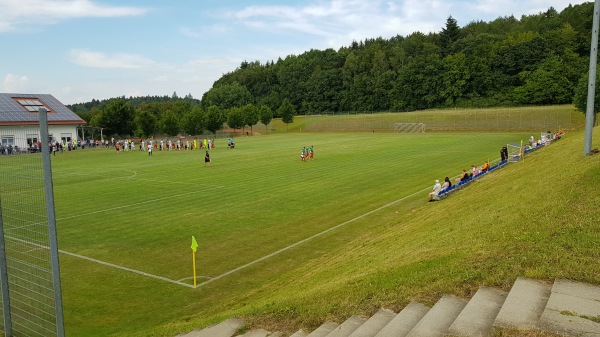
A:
x: 18, y: 134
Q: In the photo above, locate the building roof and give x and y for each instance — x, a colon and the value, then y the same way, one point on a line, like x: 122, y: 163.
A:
x: 19, y: 109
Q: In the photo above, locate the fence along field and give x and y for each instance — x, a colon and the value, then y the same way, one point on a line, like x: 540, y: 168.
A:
x: 494, y: 119
x: 140, y: 212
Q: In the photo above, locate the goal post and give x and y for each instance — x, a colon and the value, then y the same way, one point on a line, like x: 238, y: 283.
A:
x: 409, y: 127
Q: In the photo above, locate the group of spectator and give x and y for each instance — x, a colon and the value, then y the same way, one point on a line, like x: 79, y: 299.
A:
x: 9, y: 150
x: 464, y: 176
x: 476, y: 171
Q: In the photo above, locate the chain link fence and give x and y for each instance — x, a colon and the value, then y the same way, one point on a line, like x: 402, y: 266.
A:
x: 546, y: 118
x: 31, y: 300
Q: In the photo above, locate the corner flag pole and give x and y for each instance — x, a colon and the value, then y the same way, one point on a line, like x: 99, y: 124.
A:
x: 194, y: 247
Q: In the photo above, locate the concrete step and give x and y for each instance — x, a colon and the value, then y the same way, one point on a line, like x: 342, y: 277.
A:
x: 477, y: 318
x: 524, y: 305
x: 436, y: 322
x: 299, y: 333
x: 348, y: 327
x: 262, y: 333
x: 256, y: 333
x: 573, y: 309
x: 324, y: 329
x: 374, y: 324
x: 226, y: 328
x: 401, y: 325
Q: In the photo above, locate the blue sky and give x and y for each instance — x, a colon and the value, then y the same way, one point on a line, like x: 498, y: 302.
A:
x: 78, y: 50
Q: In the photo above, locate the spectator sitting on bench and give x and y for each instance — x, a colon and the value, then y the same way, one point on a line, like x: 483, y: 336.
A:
x: 486, y: 167
x: 447, y: 183
x: 436, y: 189
x: 464, y: 175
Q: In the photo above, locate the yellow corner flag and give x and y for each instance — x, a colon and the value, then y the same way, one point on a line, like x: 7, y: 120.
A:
x: 194, y: 247
x: 194, y: 244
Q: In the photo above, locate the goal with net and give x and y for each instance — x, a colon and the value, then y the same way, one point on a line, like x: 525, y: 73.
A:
x: 515, y: 152
x: 409, y: 127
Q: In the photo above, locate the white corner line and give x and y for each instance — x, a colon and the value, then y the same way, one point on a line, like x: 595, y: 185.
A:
x: 127, y: 269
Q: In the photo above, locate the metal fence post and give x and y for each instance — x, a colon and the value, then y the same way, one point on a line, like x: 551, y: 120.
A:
x: 52, y: 237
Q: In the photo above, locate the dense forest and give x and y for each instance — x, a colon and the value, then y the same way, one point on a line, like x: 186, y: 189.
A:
x: 537, y: 59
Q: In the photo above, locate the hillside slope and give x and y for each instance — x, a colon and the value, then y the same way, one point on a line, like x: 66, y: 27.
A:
x: 536, y: 219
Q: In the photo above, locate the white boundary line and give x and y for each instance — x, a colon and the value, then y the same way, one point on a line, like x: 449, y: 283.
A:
x: 309, y: 238
x: 127, y: 269
x: 104, y: 263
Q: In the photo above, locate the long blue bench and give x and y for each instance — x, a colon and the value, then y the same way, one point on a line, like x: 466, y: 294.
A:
x: 445, y: 192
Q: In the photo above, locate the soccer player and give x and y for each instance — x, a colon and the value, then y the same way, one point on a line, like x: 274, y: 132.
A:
x: 207, y: 159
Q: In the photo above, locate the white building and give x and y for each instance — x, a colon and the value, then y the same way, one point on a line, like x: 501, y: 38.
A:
x: 19, y: 119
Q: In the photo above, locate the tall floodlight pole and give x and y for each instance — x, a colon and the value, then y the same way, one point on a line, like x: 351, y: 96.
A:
x: 590, y: 111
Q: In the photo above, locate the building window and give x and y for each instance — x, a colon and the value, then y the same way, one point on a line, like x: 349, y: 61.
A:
x: 65, y: 137
x: 32, y: 104
x: 32, y: 139
x: 8, y: 140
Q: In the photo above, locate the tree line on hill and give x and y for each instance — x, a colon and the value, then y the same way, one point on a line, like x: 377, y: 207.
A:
x: 537, y: 60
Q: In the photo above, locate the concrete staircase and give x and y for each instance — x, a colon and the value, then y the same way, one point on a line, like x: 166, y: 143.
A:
x: 568, y: 308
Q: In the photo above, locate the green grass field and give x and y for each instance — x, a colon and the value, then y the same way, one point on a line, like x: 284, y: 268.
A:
x: 387, y: 246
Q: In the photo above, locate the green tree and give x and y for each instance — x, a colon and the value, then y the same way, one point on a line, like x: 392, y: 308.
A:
x: 227, y: 96
x: 236, y: 118
x: 117, y: 117
x: 580, y: 98
x: 266, y: 115
x: 214, y: 119
x: 169, y: 123
x: 455, y: 79
x: 251, y: 115
x: 181, y: 108
x: 146, y: 123
x: 545, y: 85
x: 194, y: 122
x: 287, y: 112
x: 449, y: 35
x: 420, y: 84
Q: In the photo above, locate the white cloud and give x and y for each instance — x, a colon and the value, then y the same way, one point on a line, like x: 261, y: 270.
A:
x: 163, y: 78
x: 17, y: 12
x: 13, y: 83
x: 205, y: 32
x: 93, y: 59
x: 339, y: 22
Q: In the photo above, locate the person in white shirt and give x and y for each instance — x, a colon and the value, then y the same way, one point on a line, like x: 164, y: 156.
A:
x: 436, y: 189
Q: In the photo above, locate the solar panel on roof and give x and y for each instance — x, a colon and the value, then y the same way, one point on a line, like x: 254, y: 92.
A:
x: 13, y: 108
